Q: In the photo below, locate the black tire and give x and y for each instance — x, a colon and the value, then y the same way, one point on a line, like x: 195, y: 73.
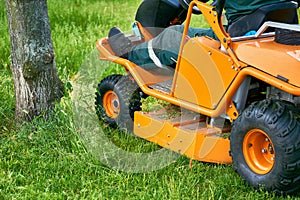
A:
x: 265, y: 146
x: 117, y: 98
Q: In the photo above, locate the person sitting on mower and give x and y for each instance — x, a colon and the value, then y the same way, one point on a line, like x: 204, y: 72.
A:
x: 163, y: 49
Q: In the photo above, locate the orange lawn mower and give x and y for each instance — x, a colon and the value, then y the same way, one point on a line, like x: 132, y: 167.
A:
x: 240, y: 95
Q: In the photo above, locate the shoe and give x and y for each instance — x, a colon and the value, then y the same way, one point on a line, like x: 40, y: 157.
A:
x: 119, y: 43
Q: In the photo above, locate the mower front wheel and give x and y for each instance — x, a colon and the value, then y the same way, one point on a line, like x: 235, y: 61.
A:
x: 117, y: 98
x: 264, y: 145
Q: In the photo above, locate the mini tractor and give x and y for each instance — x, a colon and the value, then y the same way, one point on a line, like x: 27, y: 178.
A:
x: 240, y: 95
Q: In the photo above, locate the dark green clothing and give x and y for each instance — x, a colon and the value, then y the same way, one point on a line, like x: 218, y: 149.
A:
x: 165, y: 46
x: 238, y: 8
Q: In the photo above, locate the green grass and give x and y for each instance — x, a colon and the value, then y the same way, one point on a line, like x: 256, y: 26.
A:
x: 47, y: 159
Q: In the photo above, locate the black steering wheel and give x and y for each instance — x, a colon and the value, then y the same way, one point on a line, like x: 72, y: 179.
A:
x: 186, y: 3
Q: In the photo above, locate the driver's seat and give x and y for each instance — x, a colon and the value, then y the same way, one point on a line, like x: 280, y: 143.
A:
x: 285, y: 12
x: 155, y: 15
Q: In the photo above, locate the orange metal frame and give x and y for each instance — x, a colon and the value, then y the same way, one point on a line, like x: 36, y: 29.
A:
x: 210, y: 89
x: 139, y: 74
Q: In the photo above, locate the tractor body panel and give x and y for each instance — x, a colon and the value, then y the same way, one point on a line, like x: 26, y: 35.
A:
x: 204, y: 71
x: 279, y: 60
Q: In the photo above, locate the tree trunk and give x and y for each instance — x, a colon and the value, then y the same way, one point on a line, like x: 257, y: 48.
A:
x: 35, y: 77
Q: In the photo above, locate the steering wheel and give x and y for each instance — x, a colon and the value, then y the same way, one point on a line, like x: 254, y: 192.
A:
x: 185, y: 4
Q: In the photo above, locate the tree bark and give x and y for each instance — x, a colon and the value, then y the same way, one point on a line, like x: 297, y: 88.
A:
x: 37, y: 85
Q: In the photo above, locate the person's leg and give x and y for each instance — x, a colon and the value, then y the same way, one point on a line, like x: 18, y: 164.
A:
x: 168, y: 54
x: 165, y: 46
x: 168, y: 40
x: 198, y: 32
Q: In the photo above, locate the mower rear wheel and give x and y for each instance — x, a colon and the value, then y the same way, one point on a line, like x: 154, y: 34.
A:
x: 265, y: 146
x: 117, y: 98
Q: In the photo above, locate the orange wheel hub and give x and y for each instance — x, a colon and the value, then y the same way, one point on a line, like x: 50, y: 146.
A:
x: 259, y: 151
x: 111, y: 104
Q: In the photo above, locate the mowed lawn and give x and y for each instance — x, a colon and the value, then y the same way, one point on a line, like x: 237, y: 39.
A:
x: 48, y: 160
